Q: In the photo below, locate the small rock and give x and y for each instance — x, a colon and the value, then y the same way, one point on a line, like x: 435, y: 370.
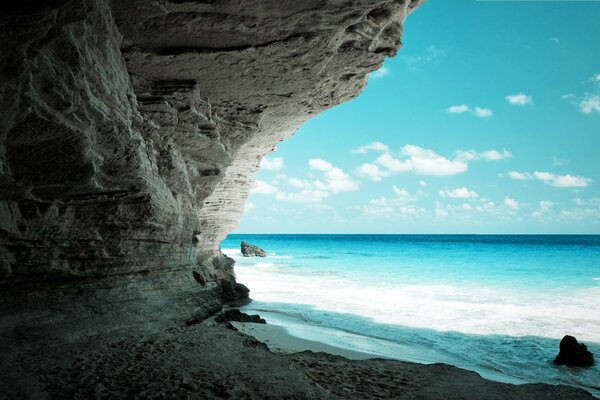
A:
x: 238, y: 316
x: 573, y: 353
x: 250, y: 250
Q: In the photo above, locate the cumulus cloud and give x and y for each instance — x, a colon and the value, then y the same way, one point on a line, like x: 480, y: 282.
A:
x: 460, y: 193
x: 545, y: 205
x: 299, y: 183
x: 511, y: 203
x: 332, y: 180
x: 482, y: 112
x: 272, y: 164
x: 303, y: 196
x: 458, y: 109
x: 401, y: 204
x: 561, y: 181
x: 519, y: 176
x: 477, y: 111
x: 372, y: 172
x: 376, y: 146
x: 519, y: 99
x: 421, y: 161
x: 393, y: 164
x: 319, y: 165
x: 262, y: 187
x: 427, y: 162
x: 489, y: 155
x: 380, y: 73
x: 590, y: 104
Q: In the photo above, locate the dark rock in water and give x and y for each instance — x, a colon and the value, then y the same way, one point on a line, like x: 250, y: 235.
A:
x: 573, y: 353
x: 238, y: 316
x: 250, y: 250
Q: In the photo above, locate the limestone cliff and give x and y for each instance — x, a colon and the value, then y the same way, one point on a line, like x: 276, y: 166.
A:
x: 131, y: 131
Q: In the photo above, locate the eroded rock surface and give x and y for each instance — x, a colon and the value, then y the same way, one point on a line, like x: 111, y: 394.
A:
x: 250, y: 250
x: 131, y: 131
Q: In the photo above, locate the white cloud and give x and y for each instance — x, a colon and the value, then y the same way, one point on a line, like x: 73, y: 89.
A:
x: 272, y: 164
x: 555, y: 40
x: 567, y: 96
x: 422, y: 183
x: 394, y: 164
x: 411, y: 159
x: 262, y: 187
x: 372, y: 172
x: 590, y: 104
x: 562, y: 181
x: 440, y: 212
x: 299, y: 183
x: 319, y: 165
x: 511, y: 203
x: 249, y: 206
x: 458, y: 109
x: 545, y: 205
x: 336, y: 180
x: 399, y: 204
x: 519, y: 176
x: 304, y: 196
x: 380, y: 73
x: 460, y: 193
x: 489, y: 155
x: 431, y: 54
x: 477, y: 111
x: 427, y: 162
x: 519, y: 99
x: 482, y: 112
x: 376, y: 146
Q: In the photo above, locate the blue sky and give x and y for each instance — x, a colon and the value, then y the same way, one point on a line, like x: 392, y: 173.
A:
x: 487, y: 121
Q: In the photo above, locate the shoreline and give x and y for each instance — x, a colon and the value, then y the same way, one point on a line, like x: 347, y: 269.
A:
x: 298, y: 337
x: 282, y: 340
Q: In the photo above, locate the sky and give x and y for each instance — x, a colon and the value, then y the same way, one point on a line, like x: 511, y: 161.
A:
x: 487, y: 121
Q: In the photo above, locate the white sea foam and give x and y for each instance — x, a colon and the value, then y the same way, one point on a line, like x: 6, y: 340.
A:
x: 232, y: 252
x: 464, y: 308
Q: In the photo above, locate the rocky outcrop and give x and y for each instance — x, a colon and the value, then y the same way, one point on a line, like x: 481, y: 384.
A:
x: 131, y: 131
x: 250, y: 250
x: 130, y: 134
x: 235, y: 315
x: 573, y: 353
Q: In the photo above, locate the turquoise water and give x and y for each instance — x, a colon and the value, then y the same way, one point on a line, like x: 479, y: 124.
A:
x: 494, y: 304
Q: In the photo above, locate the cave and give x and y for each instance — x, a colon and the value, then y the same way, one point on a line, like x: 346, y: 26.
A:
x: 130, y: 136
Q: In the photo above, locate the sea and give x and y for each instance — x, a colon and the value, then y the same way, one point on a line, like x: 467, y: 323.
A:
x: 494, y: 304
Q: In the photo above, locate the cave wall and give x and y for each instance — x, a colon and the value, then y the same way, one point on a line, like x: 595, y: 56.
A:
x: 131, y: 131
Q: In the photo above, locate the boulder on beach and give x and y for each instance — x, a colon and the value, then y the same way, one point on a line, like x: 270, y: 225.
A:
x: 574, y: 354
x: 250, y: 250
x: 236, y: 315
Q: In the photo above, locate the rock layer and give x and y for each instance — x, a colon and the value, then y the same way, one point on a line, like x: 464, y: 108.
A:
x: 131, y: 131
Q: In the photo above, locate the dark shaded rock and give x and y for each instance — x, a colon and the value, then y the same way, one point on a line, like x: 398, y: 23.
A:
x: 236, y: 315
x: 235, y: 293
x: 573, y: 353
x: 250, y: 250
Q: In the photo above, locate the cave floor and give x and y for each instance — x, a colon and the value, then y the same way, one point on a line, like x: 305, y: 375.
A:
x: 206, y: 361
